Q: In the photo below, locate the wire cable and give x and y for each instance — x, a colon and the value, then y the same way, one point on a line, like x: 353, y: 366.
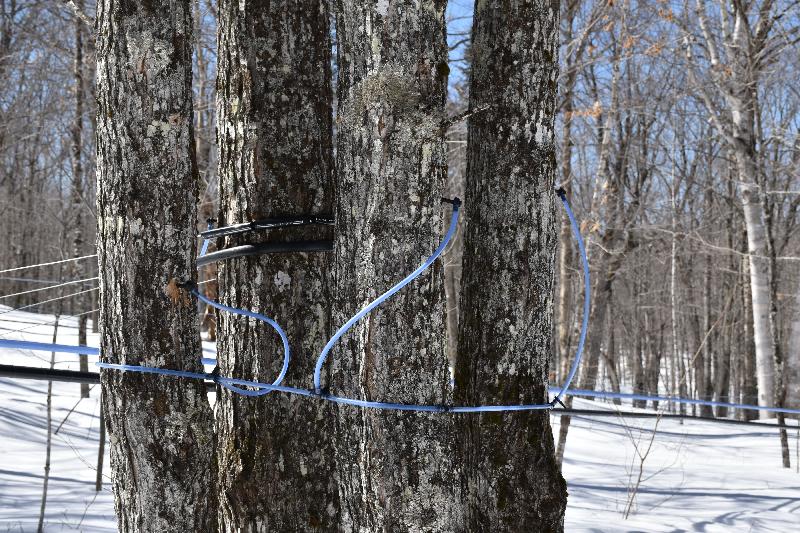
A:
x: 70, y: 295
x: 7, y: 270
x: 73, y: 282
x: 31, y: 280
x: 37, y: 324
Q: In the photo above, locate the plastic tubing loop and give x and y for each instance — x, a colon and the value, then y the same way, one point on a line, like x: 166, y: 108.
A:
x: 286, y: 353
x: 587, y: 287
x: 262, y: 318
x: 262, y: 388
x: 386, y: 295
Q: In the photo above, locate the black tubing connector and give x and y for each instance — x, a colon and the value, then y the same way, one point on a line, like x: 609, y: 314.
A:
x: 188, y: 284
x: 266, y: 248
x: 267, y: 224
x: 558, y: 401
x: 455, y: 201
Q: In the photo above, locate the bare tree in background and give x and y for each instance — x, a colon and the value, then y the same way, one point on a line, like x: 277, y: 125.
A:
x: 726, y: 65
x: 575, y: 39
x: 793, y: 371
x: 77, y: 189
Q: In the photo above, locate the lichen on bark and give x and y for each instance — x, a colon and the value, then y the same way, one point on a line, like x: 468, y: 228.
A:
x: 510, y: 478
x: 395, y: 469
x: 274, y: 95
x: 159, y: 428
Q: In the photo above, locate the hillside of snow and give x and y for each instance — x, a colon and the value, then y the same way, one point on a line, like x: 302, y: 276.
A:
x: 696, y: 476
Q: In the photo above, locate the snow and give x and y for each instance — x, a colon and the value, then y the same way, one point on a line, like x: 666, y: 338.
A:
x: 698, y: 476
x: 72, y: 503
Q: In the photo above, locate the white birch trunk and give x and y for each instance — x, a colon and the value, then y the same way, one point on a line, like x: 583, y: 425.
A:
x: 760, y: 291
x: 737, y: 85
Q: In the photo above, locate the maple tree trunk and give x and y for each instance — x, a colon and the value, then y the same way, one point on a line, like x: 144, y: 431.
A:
x: 511, y: 480
x: 275, y: 452
x: 159, y: 427
x: 395, y: 469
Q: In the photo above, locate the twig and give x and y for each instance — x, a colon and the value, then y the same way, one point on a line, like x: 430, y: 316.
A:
x: 79, y: 13
x: 464, y: 115
x: 49, y: 433
x: 70, y: 412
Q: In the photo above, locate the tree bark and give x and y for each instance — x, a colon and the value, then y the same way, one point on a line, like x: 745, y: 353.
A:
x: 396, y: 471
x: 737, y: 84
x: 159, y: 427
x: 101, y: 451
x: 275, y: 453
x: 511, y: 480
x: 792, y: 377
x: 77, y: 188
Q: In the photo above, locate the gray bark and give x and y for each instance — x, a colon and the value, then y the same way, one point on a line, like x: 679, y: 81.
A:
x: 159, y: 427
x: 101, y: 451
x: 792, y: 377
x: 76, y: 194
x: 396, y: 471
x: 275, y: 453
x: 511, y: 480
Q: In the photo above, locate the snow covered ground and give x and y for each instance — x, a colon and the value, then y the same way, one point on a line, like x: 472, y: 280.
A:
x: 697, y: 476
